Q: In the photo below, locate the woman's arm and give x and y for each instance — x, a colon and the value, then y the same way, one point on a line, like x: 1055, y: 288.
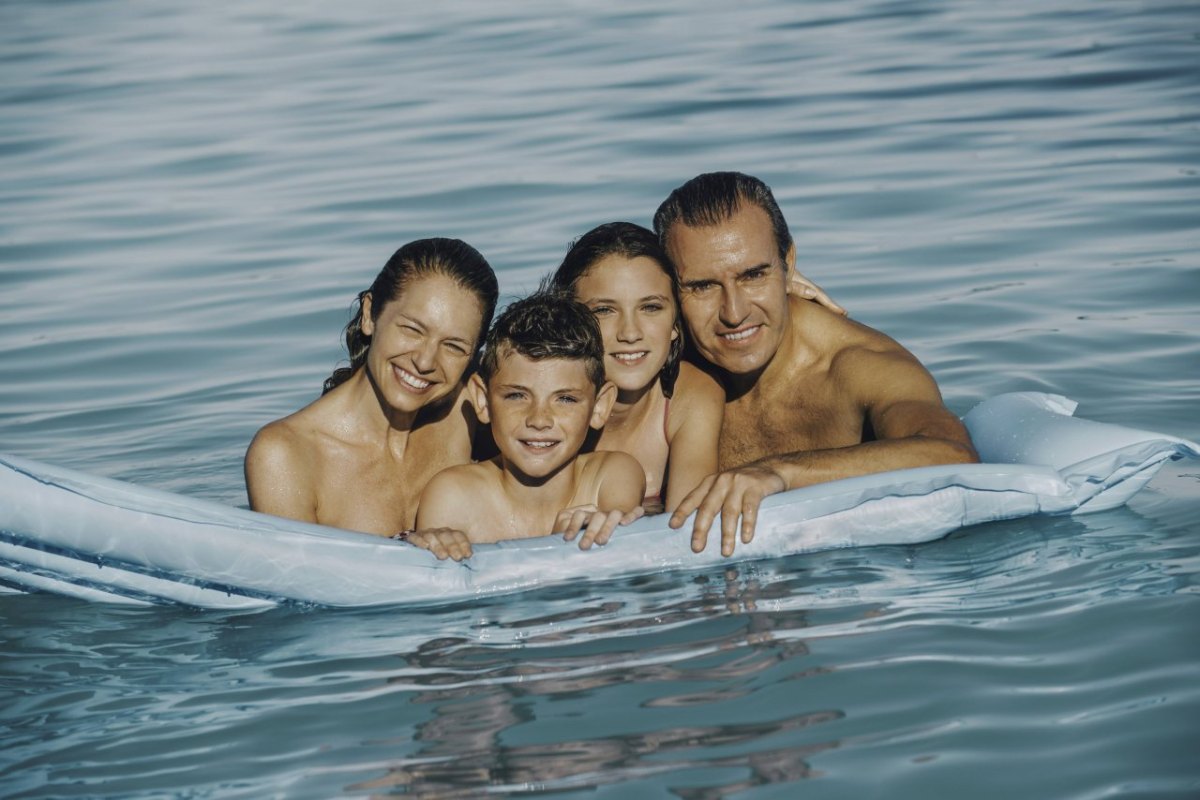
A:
x: 697, y: 410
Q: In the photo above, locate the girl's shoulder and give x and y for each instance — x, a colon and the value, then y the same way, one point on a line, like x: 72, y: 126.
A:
x: 697, y: 388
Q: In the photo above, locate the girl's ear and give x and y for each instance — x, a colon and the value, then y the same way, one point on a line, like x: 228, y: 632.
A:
x: 477, y: 391
x: 366, y: 322
x: 605, y: 398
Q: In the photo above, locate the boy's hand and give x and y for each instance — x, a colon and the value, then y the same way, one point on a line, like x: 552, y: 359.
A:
x: 442, y: 542
x: 597, y: 525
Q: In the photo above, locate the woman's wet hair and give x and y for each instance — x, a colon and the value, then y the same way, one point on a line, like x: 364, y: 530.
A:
x: 710, y: 199
x: 549, y: 323
x: 453, y: 258
x: 629, y: 241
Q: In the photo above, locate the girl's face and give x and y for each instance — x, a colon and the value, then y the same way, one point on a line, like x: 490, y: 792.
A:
x: 422, y: 341
x: 632, y: 301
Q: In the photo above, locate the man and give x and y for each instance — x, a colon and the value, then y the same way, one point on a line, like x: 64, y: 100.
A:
x: 811, y: 396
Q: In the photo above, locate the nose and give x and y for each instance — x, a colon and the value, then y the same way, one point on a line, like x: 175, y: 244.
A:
x: 733, y: 307
x: 628, y: 329
x: 425, y: 358
x: 538, y: 418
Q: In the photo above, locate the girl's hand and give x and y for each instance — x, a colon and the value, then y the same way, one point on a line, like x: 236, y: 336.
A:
x: 803, y: 287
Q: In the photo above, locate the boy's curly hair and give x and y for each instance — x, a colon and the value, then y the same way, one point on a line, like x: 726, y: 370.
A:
x: 547, y: 324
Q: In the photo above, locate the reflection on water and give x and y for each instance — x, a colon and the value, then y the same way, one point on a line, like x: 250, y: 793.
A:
x: 193, y: 193
x: 474, y: 739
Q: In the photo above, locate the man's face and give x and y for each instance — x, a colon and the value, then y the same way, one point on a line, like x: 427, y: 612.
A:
x: 732, y: 289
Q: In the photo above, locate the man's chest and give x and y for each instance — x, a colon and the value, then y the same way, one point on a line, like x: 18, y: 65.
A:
x: 759, y: 426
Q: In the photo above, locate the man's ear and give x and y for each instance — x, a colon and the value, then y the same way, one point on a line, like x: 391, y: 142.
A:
x: 790, y: 260
x: 604, y: 404
x: 366, y: 323
x: 477, y: 391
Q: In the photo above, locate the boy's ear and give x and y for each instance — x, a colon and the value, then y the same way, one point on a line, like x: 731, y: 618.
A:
x: 604, y: 404
x: 366, y: 323
x: 477, y: 391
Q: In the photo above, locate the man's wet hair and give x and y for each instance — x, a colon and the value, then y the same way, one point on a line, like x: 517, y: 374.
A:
x: 710, y: 199
x: 547, y: 324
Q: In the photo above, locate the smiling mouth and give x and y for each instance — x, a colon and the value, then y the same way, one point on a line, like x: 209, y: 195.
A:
x: 740, y: 335
x: 410, y: 380
x: 538, y: 444
x: 631, y: 358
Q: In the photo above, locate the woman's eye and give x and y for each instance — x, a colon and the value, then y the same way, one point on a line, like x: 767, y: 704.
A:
x: 601, y: 310
x: 512, y: 396
x: 652, y: 308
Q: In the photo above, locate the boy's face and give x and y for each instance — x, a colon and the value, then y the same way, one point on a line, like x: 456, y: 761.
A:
x: 540, y: 411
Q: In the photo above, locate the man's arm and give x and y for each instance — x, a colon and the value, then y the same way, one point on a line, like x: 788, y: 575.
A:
x: 912, y: 429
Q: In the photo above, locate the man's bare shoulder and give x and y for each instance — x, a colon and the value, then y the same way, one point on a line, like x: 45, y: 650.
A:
x: 855, y: 351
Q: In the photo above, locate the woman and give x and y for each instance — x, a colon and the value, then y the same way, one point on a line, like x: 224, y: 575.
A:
x: 359, y: 456
x: 668, y: 412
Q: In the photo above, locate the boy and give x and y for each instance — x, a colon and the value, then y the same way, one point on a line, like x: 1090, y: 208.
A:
x: 541, y: 386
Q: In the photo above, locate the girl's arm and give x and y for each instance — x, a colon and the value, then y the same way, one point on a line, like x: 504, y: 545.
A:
x: 699, y: 402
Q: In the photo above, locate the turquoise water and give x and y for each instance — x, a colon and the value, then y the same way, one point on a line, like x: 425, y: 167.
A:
x: 192, y: 196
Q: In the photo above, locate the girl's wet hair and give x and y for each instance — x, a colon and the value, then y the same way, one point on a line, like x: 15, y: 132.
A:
x: 630, y: 241
x: 453, y: 258
x: 549, y: 323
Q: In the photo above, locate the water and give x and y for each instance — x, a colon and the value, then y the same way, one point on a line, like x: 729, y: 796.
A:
x: 193, y: 195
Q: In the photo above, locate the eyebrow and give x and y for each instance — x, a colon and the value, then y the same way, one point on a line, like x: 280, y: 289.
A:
x: 740, y: 273
x: 613, y: 300
x: 508, y: 387
x: 424, y: 327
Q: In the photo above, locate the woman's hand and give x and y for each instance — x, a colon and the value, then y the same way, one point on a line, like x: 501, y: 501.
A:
x: 442, y: 542
x: 597, y: 525
x: 803, y: 287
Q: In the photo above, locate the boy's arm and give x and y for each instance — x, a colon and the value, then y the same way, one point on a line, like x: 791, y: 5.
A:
x: 620, y: 487
x: 440, y: 519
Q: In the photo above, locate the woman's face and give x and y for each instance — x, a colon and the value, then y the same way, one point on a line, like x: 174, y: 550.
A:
x: 422, y: 341
x: 632, y: 300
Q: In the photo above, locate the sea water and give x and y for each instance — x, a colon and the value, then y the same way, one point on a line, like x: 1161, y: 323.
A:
x: 192, y: 194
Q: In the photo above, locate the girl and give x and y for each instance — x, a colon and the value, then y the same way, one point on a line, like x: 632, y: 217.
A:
x: 668, y: 412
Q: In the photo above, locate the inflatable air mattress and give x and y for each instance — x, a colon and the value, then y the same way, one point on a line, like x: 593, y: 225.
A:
x: 74, y: 534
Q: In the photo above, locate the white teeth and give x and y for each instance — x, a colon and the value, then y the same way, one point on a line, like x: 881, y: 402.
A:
x: 737, y: 337
x: 539, y: 444
x: 412, y: 380
x: 629, y: 358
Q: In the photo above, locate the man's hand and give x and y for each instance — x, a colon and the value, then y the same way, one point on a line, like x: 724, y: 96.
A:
x: 801, y: 286
x: 733, y: 494
x: 442, y: 542
x: 597, y: 525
